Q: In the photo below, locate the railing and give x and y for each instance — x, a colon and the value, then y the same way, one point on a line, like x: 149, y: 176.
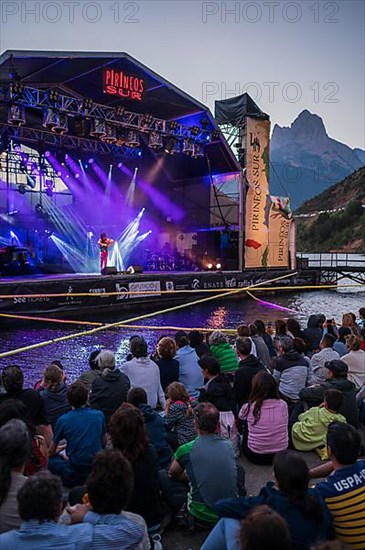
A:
x: 331, y: 260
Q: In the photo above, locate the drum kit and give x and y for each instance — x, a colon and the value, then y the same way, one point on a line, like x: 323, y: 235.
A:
x: 168, y: 262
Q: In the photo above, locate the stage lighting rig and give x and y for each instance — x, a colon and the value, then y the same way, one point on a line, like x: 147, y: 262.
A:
x: 155, y: 141
x: 53, y: 95
x: 215, y: 135
x: 110, y: 134
x: 98, y: 128
x: 198, y: 151
x: 87, y: 105
x: 195, y: 131
x: 16, y: 114
x: 188, y: 147
x: 144, y: 122
x: 50, y: 119
x: 60, y: 125
x: 172, y: 146
x: 119, y: 111
x: 132, y: 139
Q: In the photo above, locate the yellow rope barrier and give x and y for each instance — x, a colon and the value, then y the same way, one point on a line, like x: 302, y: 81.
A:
x: 127, y: 321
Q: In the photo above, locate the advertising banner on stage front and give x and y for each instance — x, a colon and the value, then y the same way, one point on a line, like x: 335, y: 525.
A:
x: 279, y: 230
x: 257, y: 197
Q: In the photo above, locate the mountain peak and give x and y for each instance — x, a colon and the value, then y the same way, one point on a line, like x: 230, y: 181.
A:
x: 307, y: 121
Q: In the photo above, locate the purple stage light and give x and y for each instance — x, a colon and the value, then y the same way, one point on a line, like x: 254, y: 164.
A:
x: 120, y: 164
x: 77, y: 176
x: 91, y: 161
x: 47, y: 154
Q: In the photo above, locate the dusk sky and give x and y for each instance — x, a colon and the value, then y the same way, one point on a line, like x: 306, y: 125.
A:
x: 312, y: 52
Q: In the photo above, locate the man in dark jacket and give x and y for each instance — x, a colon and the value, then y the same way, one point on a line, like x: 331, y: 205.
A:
x: 336, y: 380
x: 109, y: 390
x: 249, y: 365
x: 216, y: 389
x: 313, y: 334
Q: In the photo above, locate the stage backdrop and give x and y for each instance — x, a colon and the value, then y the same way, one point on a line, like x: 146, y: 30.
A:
x: 279, y: 227
x: 257, y: 197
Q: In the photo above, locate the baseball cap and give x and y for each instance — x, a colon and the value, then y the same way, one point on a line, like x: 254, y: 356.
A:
x: 337, y: 367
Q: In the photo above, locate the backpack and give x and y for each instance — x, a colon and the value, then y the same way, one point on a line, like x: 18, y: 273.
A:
x: 227, y: 428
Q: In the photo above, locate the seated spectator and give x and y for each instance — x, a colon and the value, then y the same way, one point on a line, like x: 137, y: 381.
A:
x: 310, y: 431
x: 249, y: 365
x: 336, y: 379
x: 108, y: 489
x: 362, y: 338
x: 209, y: 464
x: 190, y: 373
x: 360, y: 400
x: 361, y: 322
x: 109, y: 390
x: 15, y: 450
x: 216, y: 389
x: 223, y: 351
x: 40, y: 505
x: 53, y: 391
x: 317, y: 369
x: 261, y: 347
x: 349, y: 320
x: 303, y: 508
x: 262, y: 529
x: 155, y: 424
x: 169, y: 367
x: 85, y: 434
x: 144, y: 373
x: 294, y: 329
x: 300, y: 346
x: 290, y: 370
x: 355, y: 360
x: 39, y: 383
x: 87, y: 378
x: 344, y: 489
x: 281, y: 329
x: 340, y: 344
x: 196, y: 341
x: 129, y: 435
x: 266, y: 337
x: 179, y: 415
x: 243, y: 331
x: 266, y: 416
x: 313, y: 334
x: 38, y: 458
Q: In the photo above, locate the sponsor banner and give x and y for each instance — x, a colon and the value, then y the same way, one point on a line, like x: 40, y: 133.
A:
x: 257, y: 196
x: 146, y: 287
x: 279, y: 230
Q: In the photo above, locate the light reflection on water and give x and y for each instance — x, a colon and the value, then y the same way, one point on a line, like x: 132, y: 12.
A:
x: 222, y: 314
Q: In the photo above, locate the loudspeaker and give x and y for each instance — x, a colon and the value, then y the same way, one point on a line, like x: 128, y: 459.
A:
x: 135, y: 269
x: 110, y: 270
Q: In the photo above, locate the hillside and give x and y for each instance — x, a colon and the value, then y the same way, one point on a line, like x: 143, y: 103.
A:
x: 343, y: 229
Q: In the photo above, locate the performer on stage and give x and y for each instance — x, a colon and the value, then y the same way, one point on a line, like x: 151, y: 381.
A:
x: 104, y: 242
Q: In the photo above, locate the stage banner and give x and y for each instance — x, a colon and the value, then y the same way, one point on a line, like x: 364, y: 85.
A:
x: 279, y: 231
x: 257, y: 197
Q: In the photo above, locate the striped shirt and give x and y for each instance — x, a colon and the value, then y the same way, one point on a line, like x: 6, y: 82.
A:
x: 344, y: 493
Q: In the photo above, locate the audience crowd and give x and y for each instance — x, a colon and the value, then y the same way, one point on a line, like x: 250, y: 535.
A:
x: 126, y: 451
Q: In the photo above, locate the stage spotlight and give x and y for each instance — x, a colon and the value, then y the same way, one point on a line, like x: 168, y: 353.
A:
x: 195, y: 130
x: 120, y: 165
x: 119, y: 111
x: 218, y: 266
x: 98, y: 128
x: 91, y: 161
x: 49, y: 119
x: 49, y: 192
x: 77, y: 176
x: 155, y: 141
x: 87, y: 104
x: 139, y: 153
x: 198, y: 151
x: 59, y: 173
x: 53, y: 95
x: 60, y: 126
x: 16, y: 115
x: 21, y: 189
x: 16, y: 88
x: 188, y: 147
x: 210, y: 266
x: 172, y: 146
x: 144, y: 122
x: 132, y: 139
x: 47, y: 154
x: 110, y: 134
x: 215, y: 135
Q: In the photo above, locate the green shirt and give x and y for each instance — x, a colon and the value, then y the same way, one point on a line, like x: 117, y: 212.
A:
x: 311, y: 429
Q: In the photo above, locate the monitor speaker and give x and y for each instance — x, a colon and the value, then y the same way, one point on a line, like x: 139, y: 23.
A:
x: 135, y: 269
x: 110, y: 270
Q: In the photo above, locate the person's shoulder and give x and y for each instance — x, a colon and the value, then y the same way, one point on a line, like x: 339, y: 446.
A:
x: 184, y: 449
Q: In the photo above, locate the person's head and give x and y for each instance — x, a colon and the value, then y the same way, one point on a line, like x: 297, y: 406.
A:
x: 362, y: 313
x: 128, y: 431
x: 106, y: 360
x: 243, y: 331
x: 176, y: 391
x: 343, y: 332
x: 103, y: 236
x: 327, y: 341
x: 348, y: 319
x: 321, y: 319
x: 139, y: 348
x: 40, y: 498
x: 299, y: 345
x: 132, y: 338
x: 336, y: 368
x: 286, y: 343
x: 333, y: 400
x: 15, y: 448
x: 52, y: 377
x: 280, y: 327
x: 166, y: 348
x: 260, y: 325
x: 270, y: 328
x: 181, y: 339
x: 209, y: 365
x: 206, y: 418
x: 12, y: 379
x: 217, y: 338
x: 263, y: 387
x: 264, y: 529
x: 14, y: 408
x: 58, y: 364
x: 77, y: 394
x: 195, y: 338
x: 343, y: 443
x: 92, y: 359
x: 137, y: 396
x: 243, y: 346
x: 293, y: 326
x: 253, y: 330
x: 353, y: 342
x: 110, y: 482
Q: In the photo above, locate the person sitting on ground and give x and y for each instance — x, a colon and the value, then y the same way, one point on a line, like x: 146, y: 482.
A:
x: 336, y: 379
x: 249, y: 365
x: 38, y: 458
x: 266, y: 337
x: 190, y: 373
x: 15, y: 448
x: 169, y: 367
x: 313, y: 334
x: 303, y: 508
x: 223, y: 352
x: 362, y: 338
x: 317, y: 369
x: 39, y: 384
x: 266, y: 419
x: 243, y: 331
x: 301, y: 347
x: 216, y: 389
x: 361, y: 322
x: 290, y: 370
x: 87, y: 378
x: 53, y: 391
x: 179, y: 415
x: 210, y: 466
x: 40, y: 506
x: 85, y: 433
x: 261, y: 348
x: 144, y: 373
x: 109, y: 390
x: 155, y: 424
x: 344, y: 489
x: 281, y: 329
x: 309, y: 433
x: 349, y: 320
x: 340, y: 344
x: 196, y: 341
x: 355, y: 360
x: 294, y: 329
x: 108, y: 489
x: 129, y: 435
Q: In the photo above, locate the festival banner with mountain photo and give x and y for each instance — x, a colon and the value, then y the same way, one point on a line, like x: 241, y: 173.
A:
x: 257, y: 197
x: 280, y: 217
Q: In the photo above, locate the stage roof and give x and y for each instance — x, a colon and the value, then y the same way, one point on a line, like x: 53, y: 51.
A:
x: 80, y: 75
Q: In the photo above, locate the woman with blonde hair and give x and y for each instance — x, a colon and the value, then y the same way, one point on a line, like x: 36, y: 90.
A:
x: 355, y: 360
x: 349, y: 320
x: 179, y: 415
x: 168, y: 366
x: 54, y: 393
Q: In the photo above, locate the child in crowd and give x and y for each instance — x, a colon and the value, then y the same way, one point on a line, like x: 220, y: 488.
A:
x: 310, y: 431
x: 179, y: 415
